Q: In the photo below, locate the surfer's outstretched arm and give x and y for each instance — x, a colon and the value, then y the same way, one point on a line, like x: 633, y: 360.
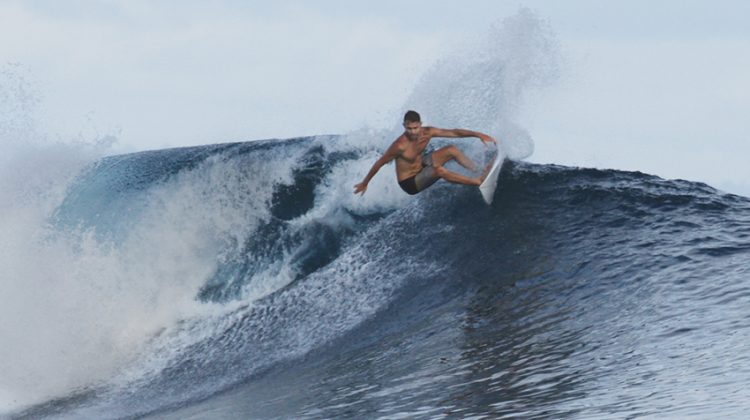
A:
x: 392, y: 153
x: 461, y: 133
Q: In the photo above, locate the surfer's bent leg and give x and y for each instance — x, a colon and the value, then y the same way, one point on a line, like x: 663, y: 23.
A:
x: 433, y: 170
x: 427, y: 177
x: 444, y: 154
x: 447, y: 153
x: 456, y: 178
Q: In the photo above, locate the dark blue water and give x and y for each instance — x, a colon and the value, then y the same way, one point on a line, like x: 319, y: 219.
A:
x: 579, y: 293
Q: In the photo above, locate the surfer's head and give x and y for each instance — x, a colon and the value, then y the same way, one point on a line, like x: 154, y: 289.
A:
x: 412, y: 124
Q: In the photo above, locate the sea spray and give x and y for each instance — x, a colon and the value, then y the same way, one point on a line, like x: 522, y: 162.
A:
x: 484, y: 85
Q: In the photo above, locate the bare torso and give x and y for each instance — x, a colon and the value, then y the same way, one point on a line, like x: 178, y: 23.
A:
x: 409, y: 162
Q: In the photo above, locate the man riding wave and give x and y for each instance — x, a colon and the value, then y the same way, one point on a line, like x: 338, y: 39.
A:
x: 417, y: 170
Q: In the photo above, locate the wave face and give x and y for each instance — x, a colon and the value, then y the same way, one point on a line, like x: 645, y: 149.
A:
x: 246, y: 280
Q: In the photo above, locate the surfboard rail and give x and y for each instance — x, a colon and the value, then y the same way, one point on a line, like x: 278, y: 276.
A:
x: 488, y: 186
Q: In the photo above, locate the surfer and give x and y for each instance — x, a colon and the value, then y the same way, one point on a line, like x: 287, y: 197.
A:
x: 417, y: 170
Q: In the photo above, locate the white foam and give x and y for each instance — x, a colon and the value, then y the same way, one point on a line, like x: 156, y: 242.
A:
x: 36, y: 312
x: 75, y: 309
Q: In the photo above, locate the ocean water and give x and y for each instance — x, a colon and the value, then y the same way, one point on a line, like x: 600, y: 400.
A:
x: 245, y: 280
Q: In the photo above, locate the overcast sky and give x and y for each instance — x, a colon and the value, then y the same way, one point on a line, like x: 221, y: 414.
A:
x: 657, y: 86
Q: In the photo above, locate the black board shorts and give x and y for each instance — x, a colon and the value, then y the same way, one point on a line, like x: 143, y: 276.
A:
x: 419, y: 182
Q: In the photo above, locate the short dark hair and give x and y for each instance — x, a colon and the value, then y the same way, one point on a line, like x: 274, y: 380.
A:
x: 412, y: 116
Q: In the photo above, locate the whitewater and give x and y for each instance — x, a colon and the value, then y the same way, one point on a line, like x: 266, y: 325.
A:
x: 246, y: 280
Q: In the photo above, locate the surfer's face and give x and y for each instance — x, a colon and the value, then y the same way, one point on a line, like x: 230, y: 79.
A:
x: 413, y: 129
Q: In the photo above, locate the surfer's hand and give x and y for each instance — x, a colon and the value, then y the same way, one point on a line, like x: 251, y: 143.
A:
x: 487, y: 139
x: 360, y: 188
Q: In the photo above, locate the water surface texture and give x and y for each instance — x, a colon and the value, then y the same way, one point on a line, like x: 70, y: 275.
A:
x: 245, y: 280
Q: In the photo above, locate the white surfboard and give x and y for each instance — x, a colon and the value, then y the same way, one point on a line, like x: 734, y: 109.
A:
x: 490, y: 182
